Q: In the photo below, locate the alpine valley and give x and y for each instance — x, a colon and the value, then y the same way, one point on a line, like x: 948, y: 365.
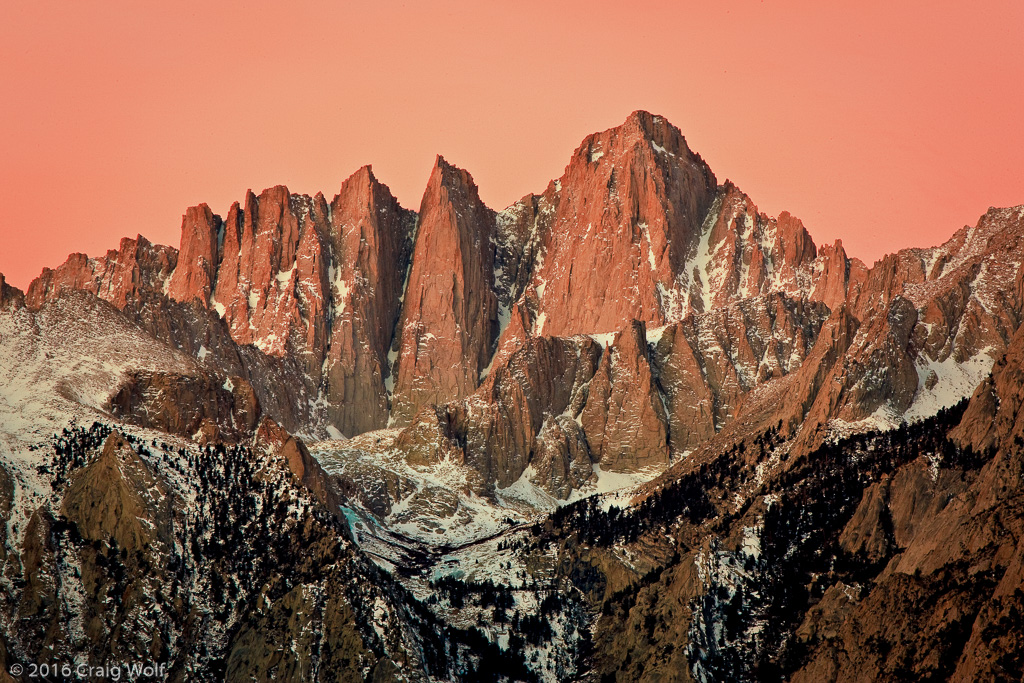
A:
x: 627, y: 429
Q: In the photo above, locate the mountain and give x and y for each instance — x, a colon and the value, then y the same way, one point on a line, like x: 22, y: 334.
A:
x: 628, y: 428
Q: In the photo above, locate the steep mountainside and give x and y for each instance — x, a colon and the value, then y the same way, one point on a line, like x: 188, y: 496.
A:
x: 630, y: 428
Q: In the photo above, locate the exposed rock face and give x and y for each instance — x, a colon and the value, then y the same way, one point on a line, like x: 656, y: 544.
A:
x: 318, y: 287
x: 281, y: 385
x: 296, y: 277
x: 562, y: 462
x: 199, y: 256
x: 136, y: 266
x: 627, y: 215
x: 119, y: 540
x: 196, y: 406
x: 945, y: 529
x: 352, y: 315
x: 834, y: 276
x: 624, y: 419
x: 955, y: 302
x: 335, y: 645
x: 706, y: 365
x: 117, y: 497
x: 10, y: 296
x: 520, y: 233
x: 547, y: 377
x: 646, y: 398
x: 321, y: 287
x: 992, y: 419
x: 639, y: 216
x: 918, y: 331
x: 494, y: 431
x: 371, y: 239
x: 634, y: 316
x: 450, y: 314
x: 803, y: 582
x: 430, y: 438
x: 307, y: 471
x: 257, y: 279
x: 692, y: 406
x: 747, y: 253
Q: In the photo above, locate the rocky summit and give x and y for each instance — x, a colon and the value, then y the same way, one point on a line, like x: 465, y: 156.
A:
x: 627, y: 429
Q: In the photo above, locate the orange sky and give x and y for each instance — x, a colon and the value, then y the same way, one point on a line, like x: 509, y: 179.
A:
x: 885, y: 126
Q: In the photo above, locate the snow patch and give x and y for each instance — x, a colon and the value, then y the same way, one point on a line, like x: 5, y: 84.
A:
x: 524, y: 490
x: 285, y: 276
x: 389, y: 383
x: 615, y: 488
x: 218, y: 307
x: 752, y: 541
x: 702, y: 259
x: 605, y: 339
x: 655, y: 334
x: 950, y: 382
x: 650, y: 247
x: 342, y: 289
x: 538, y: 325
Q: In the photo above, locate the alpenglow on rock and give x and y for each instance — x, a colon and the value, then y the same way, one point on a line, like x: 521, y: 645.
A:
x: 355, y: 315
x: 630, y: 428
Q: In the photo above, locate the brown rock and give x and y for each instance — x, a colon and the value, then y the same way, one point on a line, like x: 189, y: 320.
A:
x: 993, y: 417
x: 561, y: 459
x: 881, y: 371
x: 628, y: 214
x: 450, y: 314
x: 117, y: 497
x: 835, y: 276
x: 708, y: 364
x: 624, y: 419
x: 430, y: 438
x: 271, y: 438
x: 825, y: 619
x: 519, y: 238
x: 690, y: 402
x: 499, y: 424
x: 320, y: 284
x: 869, y: 531
x: 335, y: 645
x: 513, y: 337
x: 496, y: 430
x: 121, y: 275
x: 198, y: 256
x: 371, y: 239
x: 748, y: 252
x: 10, y: 297
x: 256, y: 283
x: 185, y: 405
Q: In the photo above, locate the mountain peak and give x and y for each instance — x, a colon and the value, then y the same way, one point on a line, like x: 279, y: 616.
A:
x: 449, y: 175
x: 640, y: 129
x: 362, y: 178
x: 450, y: 316
x: 365, y: 171
x: 650, y: 124
x: 630, y: 210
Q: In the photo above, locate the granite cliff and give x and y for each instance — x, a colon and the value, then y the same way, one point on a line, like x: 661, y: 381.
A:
x: 629, y: 428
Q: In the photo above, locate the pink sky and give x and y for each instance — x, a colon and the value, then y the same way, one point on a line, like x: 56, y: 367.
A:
x: 885, y: 126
